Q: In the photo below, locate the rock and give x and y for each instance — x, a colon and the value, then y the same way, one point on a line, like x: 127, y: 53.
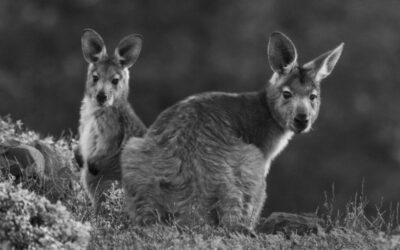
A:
x: 39, y: 164
x: 57, y: 171
x: 289, y: 223
x: 21, y: 160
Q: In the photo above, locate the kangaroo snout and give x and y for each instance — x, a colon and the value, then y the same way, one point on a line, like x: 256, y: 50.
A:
x: 301, y: 122
x: 101, y: 97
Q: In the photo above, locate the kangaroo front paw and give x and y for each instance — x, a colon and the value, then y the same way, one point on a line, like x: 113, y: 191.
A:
x: 92, y: 167
x: 78, y: 156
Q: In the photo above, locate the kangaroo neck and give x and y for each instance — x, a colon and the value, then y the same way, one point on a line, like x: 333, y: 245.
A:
x: 257, y: 126
x: 90, y: 108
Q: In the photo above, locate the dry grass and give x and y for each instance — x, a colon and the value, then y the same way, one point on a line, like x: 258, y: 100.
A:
x: 348, y: 228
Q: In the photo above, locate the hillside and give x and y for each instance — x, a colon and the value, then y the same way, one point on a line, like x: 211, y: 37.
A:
x: 42, y: 205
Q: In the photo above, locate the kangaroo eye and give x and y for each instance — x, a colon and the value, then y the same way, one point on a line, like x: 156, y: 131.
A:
x: 286, y: 94
x: 115, y: 81
x: 95, y: 78
x: 313, y: 97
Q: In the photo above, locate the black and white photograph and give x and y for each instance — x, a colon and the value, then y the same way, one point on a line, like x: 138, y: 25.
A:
x: 199, y: 124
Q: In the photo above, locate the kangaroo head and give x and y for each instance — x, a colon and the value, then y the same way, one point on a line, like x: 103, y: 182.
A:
x: 293, y: 92
x: 107, y: 81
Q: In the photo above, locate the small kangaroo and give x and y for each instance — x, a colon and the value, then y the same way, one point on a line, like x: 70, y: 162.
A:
x: 107, y: 120
x: 210, y: 154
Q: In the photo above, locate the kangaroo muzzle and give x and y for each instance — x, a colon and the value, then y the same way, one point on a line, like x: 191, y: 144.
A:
x: 301, y: 123
x: 101, y: 98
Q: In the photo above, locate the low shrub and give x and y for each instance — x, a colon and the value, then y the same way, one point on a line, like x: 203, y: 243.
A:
x: 30, y: 221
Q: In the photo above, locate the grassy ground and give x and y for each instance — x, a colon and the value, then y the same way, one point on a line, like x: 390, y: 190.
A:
x: 349, y: 229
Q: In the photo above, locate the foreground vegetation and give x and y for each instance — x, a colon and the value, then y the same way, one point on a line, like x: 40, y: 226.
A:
x: 42, y: 205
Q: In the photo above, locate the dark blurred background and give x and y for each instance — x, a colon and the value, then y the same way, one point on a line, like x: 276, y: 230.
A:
x: 212, y: 45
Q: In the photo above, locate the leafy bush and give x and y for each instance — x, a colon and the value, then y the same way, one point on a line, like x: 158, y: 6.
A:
x: 28, y: 220
x: 42, y: 165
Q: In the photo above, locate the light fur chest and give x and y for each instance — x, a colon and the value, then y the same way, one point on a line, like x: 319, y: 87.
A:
x: 276, y: 148
x: 87, y: 138
x: 88, y: 130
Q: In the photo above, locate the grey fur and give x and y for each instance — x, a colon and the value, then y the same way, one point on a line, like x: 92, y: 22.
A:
x: 115, y: 125
x: 106, y: 126
x: 205, y: 158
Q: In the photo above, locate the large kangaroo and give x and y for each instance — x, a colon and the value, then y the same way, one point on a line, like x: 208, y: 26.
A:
x: 209, y: 155
x: 107, y: 119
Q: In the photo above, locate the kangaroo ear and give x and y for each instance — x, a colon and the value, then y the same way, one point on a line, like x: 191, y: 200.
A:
x: 282, y: 54
x: 128, y: 50
x: 93, y: 46
x: 323, y: 65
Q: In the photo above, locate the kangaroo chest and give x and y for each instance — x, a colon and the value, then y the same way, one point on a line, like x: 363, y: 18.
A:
x: 275, y: 148
x: 88, y: 137
x: 101, y: 131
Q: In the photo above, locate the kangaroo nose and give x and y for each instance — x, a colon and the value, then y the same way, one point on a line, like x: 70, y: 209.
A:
x: 301, y: 121
x: 301, y: 118
x: 101, y: 97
